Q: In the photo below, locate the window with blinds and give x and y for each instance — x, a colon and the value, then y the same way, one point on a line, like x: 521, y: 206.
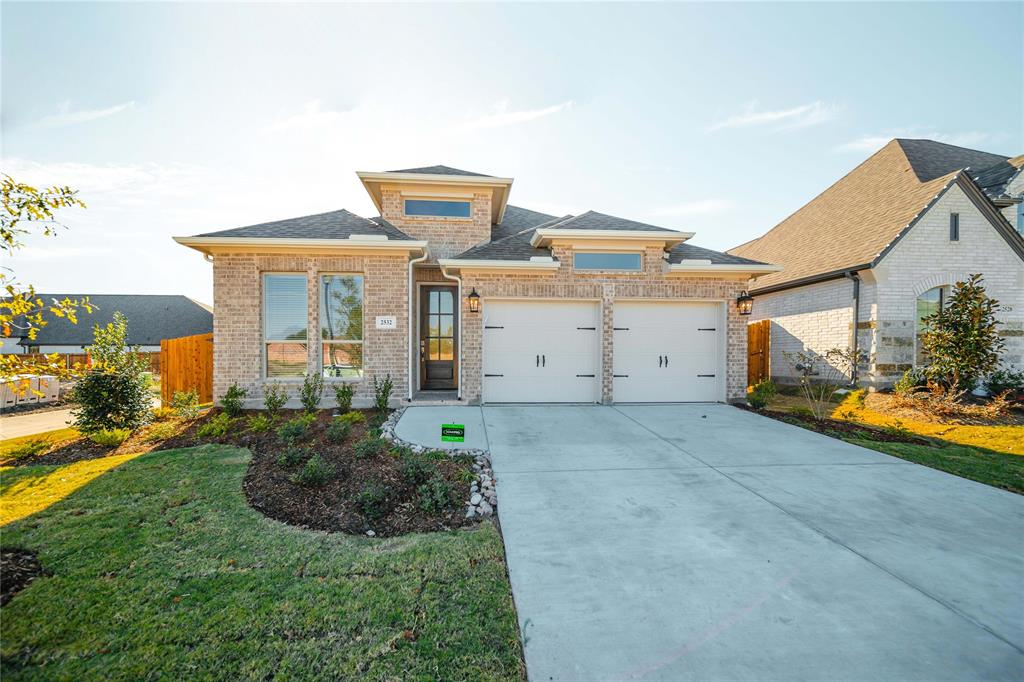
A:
x: 341, y: 326
x: 285, y: 314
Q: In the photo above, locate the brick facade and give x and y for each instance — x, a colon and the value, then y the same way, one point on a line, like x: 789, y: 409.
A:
x: 448, y: 237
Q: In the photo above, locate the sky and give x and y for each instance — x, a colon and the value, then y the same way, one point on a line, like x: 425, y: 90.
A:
x: 721, y: 119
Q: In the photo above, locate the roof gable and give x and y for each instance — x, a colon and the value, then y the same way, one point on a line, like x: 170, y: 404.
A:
x: 592, y: 220
x: 440, y: 170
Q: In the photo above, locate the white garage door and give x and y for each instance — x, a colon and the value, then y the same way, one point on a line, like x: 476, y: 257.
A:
x: 541, y: 352
x: 667, y: 352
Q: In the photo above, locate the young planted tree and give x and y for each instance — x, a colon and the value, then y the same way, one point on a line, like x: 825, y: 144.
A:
x: 27, y: 211
x: 961, y: 341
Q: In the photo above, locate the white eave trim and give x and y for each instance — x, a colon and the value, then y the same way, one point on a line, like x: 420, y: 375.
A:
x: 471, y: 264
x: 749, y: 268
x: 545, y: 235
x: 354, y: 243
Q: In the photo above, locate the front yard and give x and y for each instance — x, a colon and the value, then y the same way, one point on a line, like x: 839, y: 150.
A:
x: 159, y: 568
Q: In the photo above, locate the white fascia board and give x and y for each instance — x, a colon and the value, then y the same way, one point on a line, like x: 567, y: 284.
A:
x: 355, y: 242
x: 544, y: 234
x: 470, y: 264
x: 429, y: 179
x: 725, y: 267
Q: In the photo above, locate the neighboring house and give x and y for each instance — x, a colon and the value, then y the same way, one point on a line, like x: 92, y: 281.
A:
x: 455, y: 294
x: 882, y: 247
x: 150, y: 319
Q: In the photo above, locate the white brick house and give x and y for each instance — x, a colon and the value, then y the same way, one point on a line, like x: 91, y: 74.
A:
x: 456, y: 295
x: 882, y: 246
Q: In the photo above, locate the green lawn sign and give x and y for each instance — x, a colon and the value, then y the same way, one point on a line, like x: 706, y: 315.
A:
x: 453, y: 433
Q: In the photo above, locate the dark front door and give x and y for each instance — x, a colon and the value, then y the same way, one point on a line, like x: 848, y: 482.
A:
x: 438, y: 323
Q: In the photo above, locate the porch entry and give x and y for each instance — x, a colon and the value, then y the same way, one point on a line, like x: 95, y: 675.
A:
x: 438, y: 338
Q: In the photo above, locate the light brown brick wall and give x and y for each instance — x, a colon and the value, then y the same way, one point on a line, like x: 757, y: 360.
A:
x: 238, y: 324
x: 603, y: 287
x: 447, y: 236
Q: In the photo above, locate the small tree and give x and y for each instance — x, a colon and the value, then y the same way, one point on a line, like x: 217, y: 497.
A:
x: 821, y: 376
x: 961, y: 341
x: 114, y: 394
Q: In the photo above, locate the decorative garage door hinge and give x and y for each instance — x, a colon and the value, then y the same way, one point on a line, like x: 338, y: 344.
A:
x: 706, y: 375
x: 705, y: 329
x: 586, y: 375
x: 491, y: 326
x: 494, y: 375
x: 588, y: 328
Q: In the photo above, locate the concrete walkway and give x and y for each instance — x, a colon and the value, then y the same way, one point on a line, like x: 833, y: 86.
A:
x: 19, y: 425
x: 705, y: 542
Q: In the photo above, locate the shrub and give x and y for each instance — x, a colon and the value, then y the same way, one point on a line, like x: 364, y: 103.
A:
x: 466, y: 476
x: 315, y: 473
x: 435, y: 495
x: 416, y: 469
x: 292, y: 455
x: 110, y: 400
x: 351, y: 418
x: 160, y: 432
x: 373, y: 499
x: 343, y: 396
x: 436, y: 455
x: 109, y: 438
x: 1002, y: 380
x: 232, y: 400
x: 162, y: 413
x: 369, y: 447
x: 908, y: 384
x: 961, y: 341
x: 259, y: 423
x: 274, y: 398
x: 29, y: 448
x: 186, y: 404
x: 821, y: 376
x: 217, y: 427
x: 338, y: 431
x: 382, y: 393
x: 801, y: 411
x: 294, y: 430
x: 762, y: 394
x: 311, y: 392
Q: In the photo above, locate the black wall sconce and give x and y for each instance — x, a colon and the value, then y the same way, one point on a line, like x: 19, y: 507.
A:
x: 474, y: 301
x: 745, y: 303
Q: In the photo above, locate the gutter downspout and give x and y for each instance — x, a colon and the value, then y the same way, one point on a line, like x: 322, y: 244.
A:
x: 412, y: 301
x: 853, y: 276
x: 455, y: 278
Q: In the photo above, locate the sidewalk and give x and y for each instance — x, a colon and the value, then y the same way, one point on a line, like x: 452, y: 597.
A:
x: 19, y: 425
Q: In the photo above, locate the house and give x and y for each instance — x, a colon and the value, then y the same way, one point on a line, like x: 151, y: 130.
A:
x: 151, y: 318
x: 882, y: 247
x: 458, y: 295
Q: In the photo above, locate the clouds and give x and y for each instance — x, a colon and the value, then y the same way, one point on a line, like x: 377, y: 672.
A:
x: 502, y: 117
x: 800, y: 116
x: 312, y: 117
x: 65, y: 116
x: 872, y: 143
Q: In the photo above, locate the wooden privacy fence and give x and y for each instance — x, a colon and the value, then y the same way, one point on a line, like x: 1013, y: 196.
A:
x: 187, y: 365
x: 759, y: 341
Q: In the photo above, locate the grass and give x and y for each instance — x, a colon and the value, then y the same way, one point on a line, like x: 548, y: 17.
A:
x: 160, y: 569
x: 992, y: 468
x: 11, y: 445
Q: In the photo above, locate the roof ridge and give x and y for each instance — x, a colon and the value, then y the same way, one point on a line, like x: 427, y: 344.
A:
x: 947, y: 144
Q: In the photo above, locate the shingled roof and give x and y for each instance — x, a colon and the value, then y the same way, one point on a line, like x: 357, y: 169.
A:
x: 995, y: 179
x: 852, y: 222
x: 150, y: 319
x: 592, y: 220
x: 340, y: 224
x: 440, y: 170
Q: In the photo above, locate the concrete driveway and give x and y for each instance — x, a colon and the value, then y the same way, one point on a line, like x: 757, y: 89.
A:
x: 705, y: 542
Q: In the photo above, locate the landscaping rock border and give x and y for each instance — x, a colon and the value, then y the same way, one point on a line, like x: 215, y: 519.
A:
x: 483, y: 495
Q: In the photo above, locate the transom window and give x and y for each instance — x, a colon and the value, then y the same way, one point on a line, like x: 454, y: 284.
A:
x: 435, y: 208
x: 607, y: 261
x: 928, y: 303
x: 341, y: 325
x: 285, y: 316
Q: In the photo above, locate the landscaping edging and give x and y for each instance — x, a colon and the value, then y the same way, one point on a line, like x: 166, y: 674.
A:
x: 483, y: 497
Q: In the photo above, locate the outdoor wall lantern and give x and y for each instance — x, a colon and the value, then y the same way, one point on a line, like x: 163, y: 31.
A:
x: 474, y: 301
x: 745, y: 303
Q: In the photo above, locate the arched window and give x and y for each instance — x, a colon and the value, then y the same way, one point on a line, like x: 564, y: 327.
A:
x: 927, y: 303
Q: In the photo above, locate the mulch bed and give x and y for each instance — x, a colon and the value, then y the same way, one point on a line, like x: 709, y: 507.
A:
x: 334, y: 505
x: 18, y: 567
x: 838, y: 427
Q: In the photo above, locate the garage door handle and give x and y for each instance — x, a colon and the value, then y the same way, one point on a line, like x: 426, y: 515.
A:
x: 543, y: 361
x: 538, y: 361
x: 661, y: 359
x: 666, y: 361
x: 706, y: 375
x: 620, y: 329
x: 588, y: 328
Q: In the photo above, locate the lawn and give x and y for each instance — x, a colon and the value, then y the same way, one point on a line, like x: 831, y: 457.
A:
x: 159, y: 568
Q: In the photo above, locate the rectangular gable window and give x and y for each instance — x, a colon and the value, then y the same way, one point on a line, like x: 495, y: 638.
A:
x: 439, y: 209
x: 954, y: 227
x: 607, y: 261
x: 285, y: 315
x: 341, y: 325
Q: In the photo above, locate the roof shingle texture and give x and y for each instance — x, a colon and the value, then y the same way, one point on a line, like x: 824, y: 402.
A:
x: 853, y: 221
x: 592, y: 220
x: 994, y: 179
x: 339, y: 224
x: 440, y: 170
x: 150, y: 319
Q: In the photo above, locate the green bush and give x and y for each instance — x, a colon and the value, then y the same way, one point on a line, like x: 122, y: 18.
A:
x: 109, y: 438
x: 338, y: 431
x: 232, y: 401
x: 315, y: 473
x: 259, y: 423
x: 351, y: 418
x: 435, y: 495
x: 292, y: 455
x: 373, y: 499
x: 1003, y: 380
x: 311, y: 392
x: 296, y: 429
x: 217, y: 427
x: 415, y: 469
x: 466, y: 475
x: 161, y: 413
x: 382, y: 393
x: 29, y: 448
x: 911, y: 380
x: 762, y: 394
x: 110, y: 400
x: 343, y: 396
x: 370, y: 447
x: 162, y: 431
x: 802, y: 412
x: 185, y: 404
x: 274, y: 398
